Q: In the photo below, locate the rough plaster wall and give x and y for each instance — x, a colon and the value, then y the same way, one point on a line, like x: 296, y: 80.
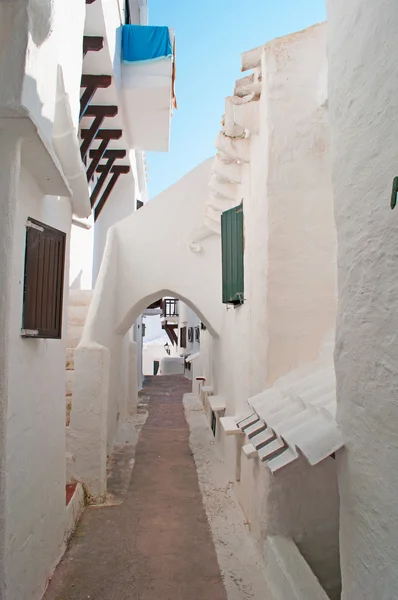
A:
x: 300, y: 503
x: 10, y: 152
x: 35, y: 447
x: 14, y: 27
x: 302, y: 240
x: 363, y: 46
x: 121, y: 204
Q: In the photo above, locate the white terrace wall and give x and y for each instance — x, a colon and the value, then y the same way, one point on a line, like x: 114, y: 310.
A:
x: 363, y: 81
x: 147, y: 256
x: 290, y: 292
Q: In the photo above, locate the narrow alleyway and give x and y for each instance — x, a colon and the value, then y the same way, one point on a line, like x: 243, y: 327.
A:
x: 157, y: 545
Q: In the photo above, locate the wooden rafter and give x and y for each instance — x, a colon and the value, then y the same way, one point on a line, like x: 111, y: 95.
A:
x: 92, y: 43
x: 92, y: 83
x: 116, y: 171
x: 169, y: 328
x: 100, y: 152
x: 99, y: 113
x: 111, y: 157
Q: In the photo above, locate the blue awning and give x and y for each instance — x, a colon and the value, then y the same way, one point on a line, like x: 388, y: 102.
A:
x: 141, y: 43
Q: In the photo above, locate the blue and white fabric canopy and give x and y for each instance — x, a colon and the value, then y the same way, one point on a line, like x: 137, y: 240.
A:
x: 143, y: 43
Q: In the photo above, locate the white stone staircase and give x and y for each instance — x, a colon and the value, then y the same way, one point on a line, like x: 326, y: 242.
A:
x: 79, y: 302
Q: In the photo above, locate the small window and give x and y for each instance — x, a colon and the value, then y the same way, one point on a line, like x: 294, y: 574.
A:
x: 139, y: 204
x: 213, y: 422
x: 183, y: 337
x: 197, y: 333
x: 44, y: 281
x: 232, y: 249
x: 190, y: 335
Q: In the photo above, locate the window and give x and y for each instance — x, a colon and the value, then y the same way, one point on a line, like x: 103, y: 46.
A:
x: 232, y: 249
x: 183, y: 337
x: 197, y: 334
x: 190, y: 335
x: 213, y: 422
x: 139, y: 204
x: 44, y: 281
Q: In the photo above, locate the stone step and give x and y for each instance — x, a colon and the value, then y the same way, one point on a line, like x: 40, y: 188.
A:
x: 77, y: 315
x: 70, y: 359
x: 69, y: 380
x: 73, y: 335
x: 80, y: 297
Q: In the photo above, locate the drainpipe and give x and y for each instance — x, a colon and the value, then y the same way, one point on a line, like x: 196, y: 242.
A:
x: 66, y: 145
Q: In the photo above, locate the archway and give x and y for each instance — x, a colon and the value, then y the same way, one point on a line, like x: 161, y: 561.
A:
x: 138, y: 308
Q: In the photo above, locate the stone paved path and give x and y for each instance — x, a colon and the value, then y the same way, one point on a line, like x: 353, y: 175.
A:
x: 157, y: 544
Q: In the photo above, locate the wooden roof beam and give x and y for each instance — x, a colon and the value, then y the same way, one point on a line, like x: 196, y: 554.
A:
x: 92, y: 43
x: 116, y: 171
x: 98, y: 153
x: 92, y: 83
x: 99, y: 113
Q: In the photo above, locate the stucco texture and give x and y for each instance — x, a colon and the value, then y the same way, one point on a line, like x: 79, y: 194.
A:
x: 363, y: 99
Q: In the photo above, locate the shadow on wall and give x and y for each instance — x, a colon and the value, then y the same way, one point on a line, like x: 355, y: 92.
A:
x: 40, y: 19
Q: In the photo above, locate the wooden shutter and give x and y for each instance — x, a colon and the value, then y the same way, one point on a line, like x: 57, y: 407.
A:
x: 183, y: 337
x: 232, y: 249
x: 44, y: 281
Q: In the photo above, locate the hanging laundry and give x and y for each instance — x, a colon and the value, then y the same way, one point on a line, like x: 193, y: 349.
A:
x: 142, y: 43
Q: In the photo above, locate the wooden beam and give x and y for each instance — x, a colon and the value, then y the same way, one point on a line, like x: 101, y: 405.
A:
x: 104, y: 170
x: 172, y: 335
x: 98, y: 153
x: 116, y: 171
x: 108, y: 154
x: 99, y: 113
x: 92, y: 43
x: 102, y: 133
x: 92, y: 83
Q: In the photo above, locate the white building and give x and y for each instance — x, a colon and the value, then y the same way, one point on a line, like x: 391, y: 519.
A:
x: 305, y: 163
x: 74, y: 122
x: 254, y: 258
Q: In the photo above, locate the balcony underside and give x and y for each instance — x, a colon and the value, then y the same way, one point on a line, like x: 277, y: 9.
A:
x: 146, y: 90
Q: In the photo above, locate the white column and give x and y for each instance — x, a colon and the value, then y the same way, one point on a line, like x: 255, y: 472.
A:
x: 363, y: 101
x: 10, y: 156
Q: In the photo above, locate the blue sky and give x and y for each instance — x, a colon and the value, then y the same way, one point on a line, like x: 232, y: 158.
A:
x: 210, y: 36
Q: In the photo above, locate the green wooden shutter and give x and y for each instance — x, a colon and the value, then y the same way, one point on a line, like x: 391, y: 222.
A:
x: 232, y: 249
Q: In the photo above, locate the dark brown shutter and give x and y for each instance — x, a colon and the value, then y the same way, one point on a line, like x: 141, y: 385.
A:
x: 44, y: 281
x: 183, y: 337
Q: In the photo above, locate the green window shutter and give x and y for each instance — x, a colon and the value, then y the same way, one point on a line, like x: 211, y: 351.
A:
x: 232, y: 249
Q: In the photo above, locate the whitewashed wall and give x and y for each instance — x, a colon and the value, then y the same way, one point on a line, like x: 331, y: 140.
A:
x: 33, y: 44
x: 290, y: 292
x: 363, y: 46
x: 36, y: 422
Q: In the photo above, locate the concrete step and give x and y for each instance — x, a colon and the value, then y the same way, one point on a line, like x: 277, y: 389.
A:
x: 68, y: 409
x: 80, y: 297
x: 70, y: 378
x: 77, y: 315
x: 73, y: 335
x: 70, y: 359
